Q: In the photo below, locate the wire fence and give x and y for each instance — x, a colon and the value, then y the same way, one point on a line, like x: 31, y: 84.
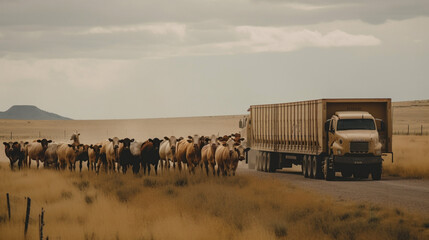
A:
x: 411, y: 130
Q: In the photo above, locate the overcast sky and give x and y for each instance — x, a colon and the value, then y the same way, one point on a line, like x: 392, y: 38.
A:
x: 104, y: 59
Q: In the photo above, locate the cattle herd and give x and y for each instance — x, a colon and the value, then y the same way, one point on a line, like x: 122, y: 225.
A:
x: 220, y: 154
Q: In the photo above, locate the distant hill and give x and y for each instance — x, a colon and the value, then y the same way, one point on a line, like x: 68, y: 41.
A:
x: 29, y: 112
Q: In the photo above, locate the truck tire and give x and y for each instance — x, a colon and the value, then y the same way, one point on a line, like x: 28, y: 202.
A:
x: 310, y: 166
x: 328, y: 174
x: 306, y: 163
x: 258, y: 161
x: 317, y: 168
x: 376, y: 172
x: 267, y: 160
x: 273, y: 162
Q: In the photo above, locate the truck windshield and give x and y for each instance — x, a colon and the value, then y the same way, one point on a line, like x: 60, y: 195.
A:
x: 355, y: 124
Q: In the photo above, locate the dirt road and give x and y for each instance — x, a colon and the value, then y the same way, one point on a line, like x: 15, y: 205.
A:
x: 412, y: 195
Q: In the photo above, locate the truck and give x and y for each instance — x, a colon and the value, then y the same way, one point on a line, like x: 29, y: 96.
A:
x: 324, y: 136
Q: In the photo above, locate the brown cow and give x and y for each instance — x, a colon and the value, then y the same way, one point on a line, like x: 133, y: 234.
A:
x: 189, y: 152
x: 223, y: 156
x: 110, y: 153
x: 93, y: 155
x: 238, y: 155
x: 150, y: 154
x: 208, y: 154
x: 51, y: 157
x: 36, y: 150
x: 13, y: 152
x: 67, y: 155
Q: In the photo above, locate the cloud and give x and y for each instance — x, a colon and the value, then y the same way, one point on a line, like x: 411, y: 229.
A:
x: 161, y: 28
x: 270, y: 39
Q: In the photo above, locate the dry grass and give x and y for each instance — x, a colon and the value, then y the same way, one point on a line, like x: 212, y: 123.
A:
x: 174, y: 206
x: 411, y: 157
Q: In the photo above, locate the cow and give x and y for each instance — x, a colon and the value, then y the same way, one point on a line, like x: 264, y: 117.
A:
x: 51, y: 157
x: 12, y: 151
x: 150, y: 154
x: 93, y: 156
x: 208, y: 154
x: 22, y: 153
x: 223, y: 156
x: 237, y: 137
x: 110, y: 153
x: 125, y: 156
x: 135, y: 149
x: 75, y: 138
x: 189, y: 152
x: 167, y: 152
x: 67, y: 155
x: 36, y: 150
x: 238, y: 155
x: 83, y: 156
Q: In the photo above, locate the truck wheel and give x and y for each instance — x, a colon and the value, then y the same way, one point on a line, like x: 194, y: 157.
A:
x: 310, y: 166
x: 313, y: 166
x: 328, y: 174
x: 317, y: 168
x: 273, y: 162
x: 258, y: 161
x: 376, y: 172
x: 306, y: 163
x: 267, y: 162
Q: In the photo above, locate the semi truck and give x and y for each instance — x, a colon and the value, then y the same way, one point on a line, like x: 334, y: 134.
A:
x: 324, y: 136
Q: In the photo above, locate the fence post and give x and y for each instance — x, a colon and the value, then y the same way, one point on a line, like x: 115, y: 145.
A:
x: 27, y: 215
x: 8, y: 205
x: 408, y: 133
x: 41, y: 224
x: 421, y: 130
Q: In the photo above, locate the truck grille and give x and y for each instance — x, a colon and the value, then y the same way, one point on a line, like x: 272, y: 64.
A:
x: 359, y: 147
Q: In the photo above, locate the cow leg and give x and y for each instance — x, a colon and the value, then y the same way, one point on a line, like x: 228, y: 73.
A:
x: 148, y: 169
x: 156, y: 169
x: 80, y: 165
x: 206, y: 165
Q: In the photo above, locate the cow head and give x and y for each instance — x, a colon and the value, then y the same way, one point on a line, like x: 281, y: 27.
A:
x: 77, y: 148
x: 8, y: 148
x: 241, y: 151
x: 96, y: 148
x: 75, y: 137
x: 173, y: 142
x: 230, y: 146
x: 213, y: 142
x: 156, y: 142
x: 44, y: 143
x: 126, y: 142
x: 196, y: 140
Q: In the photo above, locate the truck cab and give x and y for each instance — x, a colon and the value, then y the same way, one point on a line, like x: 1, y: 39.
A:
x: 354, y: 143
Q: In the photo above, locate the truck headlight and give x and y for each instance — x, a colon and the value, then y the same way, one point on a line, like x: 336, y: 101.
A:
x: 339, y: 152
x: 378, y: 152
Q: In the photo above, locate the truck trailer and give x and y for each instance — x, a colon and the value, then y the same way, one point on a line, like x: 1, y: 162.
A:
x: 324, y: 136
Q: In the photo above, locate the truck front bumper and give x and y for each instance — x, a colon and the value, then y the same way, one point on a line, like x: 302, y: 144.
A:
x: 357, y: 160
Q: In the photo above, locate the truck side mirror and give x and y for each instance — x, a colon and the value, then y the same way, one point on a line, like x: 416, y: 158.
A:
x: 327, y: 123
x: 382, y: 125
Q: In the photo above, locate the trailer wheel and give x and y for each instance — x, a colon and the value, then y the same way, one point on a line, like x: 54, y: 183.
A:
x: 273, y: 162
x: 267, y: 161
x: 310, y: 166
x: 328, y: 174
x: 257, y: 162
x: 376, y: 172
x: 317, y: 168
x: 306, y: 163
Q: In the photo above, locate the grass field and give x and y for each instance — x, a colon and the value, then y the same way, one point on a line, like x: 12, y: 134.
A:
x: 174, y: 206
x: 411, y: 157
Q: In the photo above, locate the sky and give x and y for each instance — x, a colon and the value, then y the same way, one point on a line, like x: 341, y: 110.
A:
x: 104, y: 59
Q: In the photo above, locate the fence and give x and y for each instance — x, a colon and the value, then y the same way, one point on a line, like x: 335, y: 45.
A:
x: 413, y: 130
x: 27, y: 217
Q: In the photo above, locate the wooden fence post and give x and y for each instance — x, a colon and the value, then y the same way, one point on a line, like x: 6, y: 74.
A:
x: 408, y: 133
x: 8, y: 205
x: 27, y: 215
x: 41, y: 224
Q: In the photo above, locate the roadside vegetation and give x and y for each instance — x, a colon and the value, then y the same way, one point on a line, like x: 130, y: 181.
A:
x: 179, y: 206
x: 411, y: 157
